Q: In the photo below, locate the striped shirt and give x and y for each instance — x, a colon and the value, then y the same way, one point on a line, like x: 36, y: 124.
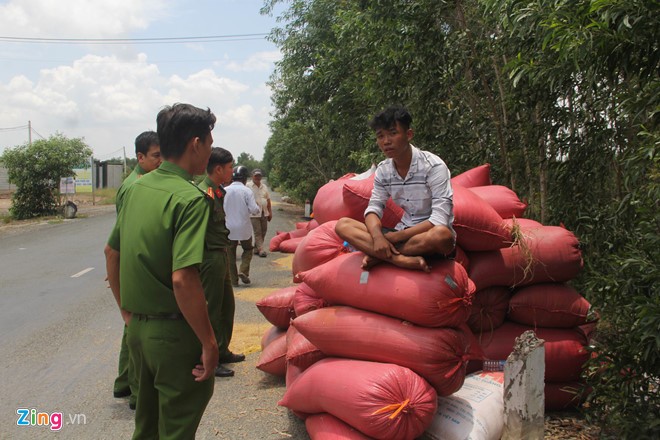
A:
x: 424, y: 194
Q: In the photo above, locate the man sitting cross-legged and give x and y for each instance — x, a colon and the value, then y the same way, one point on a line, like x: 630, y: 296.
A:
x: 417, y: 181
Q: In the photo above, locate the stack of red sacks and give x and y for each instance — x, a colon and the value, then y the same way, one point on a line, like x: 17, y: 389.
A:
x: 524, y: 286
x: 288, y: 242
x: 412, y: 320
x: 377, y: 359
x: 367, y: 353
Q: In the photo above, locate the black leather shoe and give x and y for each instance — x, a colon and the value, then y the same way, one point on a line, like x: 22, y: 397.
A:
x: 232, y: 358
x: 122, y: 393
x: 131, y: 405
x: 222, y: 371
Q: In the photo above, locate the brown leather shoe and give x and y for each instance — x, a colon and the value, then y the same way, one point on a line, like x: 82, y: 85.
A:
x: 244, y: 278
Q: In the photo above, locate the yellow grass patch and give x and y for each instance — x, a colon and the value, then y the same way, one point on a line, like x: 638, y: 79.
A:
x: 246, y: 338
x: 285, y: 262
x: 253, y: 294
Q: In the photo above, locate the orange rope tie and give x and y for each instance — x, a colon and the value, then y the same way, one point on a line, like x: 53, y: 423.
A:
x: 395, y: 406
x: 461, y: 360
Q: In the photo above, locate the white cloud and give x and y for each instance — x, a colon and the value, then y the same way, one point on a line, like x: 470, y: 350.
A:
x: 260, y: 61
x: 109, y: 101
x: 77, y: 18
x: 113, y: 93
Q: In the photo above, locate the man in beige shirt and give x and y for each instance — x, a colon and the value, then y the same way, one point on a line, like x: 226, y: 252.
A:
x: 260, y: 221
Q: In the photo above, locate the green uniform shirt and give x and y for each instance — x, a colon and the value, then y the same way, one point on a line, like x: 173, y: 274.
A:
x: 128, y: 181
x: 217, y: 234
x: 159, y: 230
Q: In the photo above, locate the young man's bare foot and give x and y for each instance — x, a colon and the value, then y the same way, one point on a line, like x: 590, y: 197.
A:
x: 368, y: 262
x: 408, y: 262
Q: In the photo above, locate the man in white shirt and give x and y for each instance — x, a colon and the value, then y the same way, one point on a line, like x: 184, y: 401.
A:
x: 419, y: 182
x: 260, y: 221
x: 239, y: 205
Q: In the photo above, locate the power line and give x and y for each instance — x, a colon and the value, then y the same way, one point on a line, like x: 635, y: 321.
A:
x: 20, y: 127
x: 110, y: 155
x: 160, y: 40
x: 37, y: 133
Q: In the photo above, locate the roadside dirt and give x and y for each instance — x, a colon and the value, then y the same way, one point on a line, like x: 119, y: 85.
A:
x: 84, y: 203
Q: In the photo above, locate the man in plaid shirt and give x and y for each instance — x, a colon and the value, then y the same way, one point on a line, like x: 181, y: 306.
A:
x: 419, y: 182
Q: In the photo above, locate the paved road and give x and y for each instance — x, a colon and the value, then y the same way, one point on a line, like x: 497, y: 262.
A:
x: 60, y: 334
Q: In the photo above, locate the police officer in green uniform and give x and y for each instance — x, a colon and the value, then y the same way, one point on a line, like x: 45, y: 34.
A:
x: 215, y: 268
x: 153, y: 258
x: 147, y: 151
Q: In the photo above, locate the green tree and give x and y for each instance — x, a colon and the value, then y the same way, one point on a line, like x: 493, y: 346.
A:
x: 247, y: 160
x: 600, y: 60
x: 560, y: 96
x: 36, y: 170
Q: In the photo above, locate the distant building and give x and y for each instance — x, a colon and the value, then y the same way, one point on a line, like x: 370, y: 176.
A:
x: 5, y: 186
x: 106, y: 175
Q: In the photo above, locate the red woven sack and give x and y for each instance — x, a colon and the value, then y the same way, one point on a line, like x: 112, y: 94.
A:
x: 292, y: 373
x: 462, y: 258
x: 524, y: 223
x: 384, y: 401
x: 289, y: 246
x: 357, y: 194
x: 273, y: 358
x: 440, y: 298
x: 306, y: 300
x: 275, y: 242
x: 329, y: 201
x: 439, y: 355
x: 552, y: 255
x: 565, y: 351
x: 270, y: 335
x: 298, y: 233
x: 489, y: 308
x: 502, y: 199
x: 548, y: 305
x: 300, y: 351
x: 329, y: 427
x: 277, y: 307
x: 478, y: 176
x: 312, y: 224
x: 478, y: 226
x: 319, y: 246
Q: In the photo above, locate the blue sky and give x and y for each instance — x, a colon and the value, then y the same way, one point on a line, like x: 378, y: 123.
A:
x: 109, y: 93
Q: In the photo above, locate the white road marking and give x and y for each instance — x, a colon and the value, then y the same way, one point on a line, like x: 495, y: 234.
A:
x: 82, y: 272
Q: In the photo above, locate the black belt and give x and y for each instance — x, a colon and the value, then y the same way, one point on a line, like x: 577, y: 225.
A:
x: 166, y: 316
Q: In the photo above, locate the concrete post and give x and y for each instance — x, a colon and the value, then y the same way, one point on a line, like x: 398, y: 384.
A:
x: 524, y: 397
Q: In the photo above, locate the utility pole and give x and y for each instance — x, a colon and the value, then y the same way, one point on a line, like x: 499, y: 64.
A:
x: 124, y: 148
x: 94, y: 171
x: 30, y: 132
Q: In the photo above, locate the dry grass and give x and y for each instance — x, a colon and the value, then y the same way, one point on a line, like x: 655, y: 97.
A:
x: 246, y: 338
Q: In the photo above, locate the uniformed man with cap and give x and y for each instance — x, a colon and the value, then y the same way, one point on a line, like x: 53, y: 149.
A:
x: 147, y: 151
x: 215, y: 268
x: 153, y: 258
